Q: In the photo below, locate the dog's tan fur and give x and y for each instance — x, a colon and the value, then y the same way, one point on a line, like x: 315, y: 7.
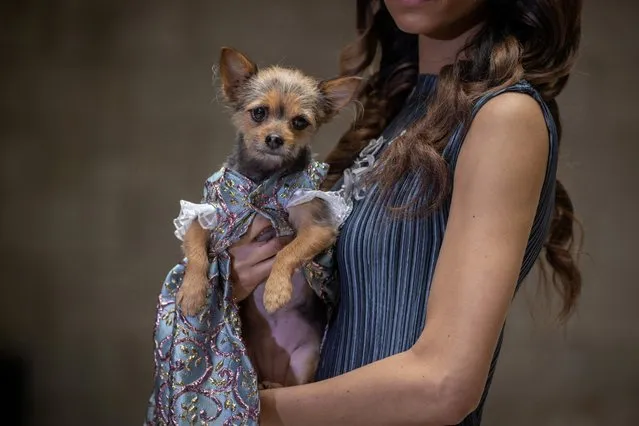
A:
x: 192, y: 293
x: 287, y: 97
x: 314, y: 235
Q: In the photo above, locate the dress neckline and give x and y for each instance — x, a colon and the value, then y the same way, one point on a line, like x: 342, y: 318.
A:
x: 424, y: 86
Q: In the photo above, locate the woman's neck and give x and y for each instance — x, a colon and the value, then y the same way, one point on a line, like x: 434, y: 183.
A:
x: 437, y: 52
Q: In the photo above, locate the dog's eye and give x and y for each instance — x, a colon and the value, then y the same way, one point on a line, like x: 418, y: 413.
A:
x: 258, y: 114
x: 300, y: 123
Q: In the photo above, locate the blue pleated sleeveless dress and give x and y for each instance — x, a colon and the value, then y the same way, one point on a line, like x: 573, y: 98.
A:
x: 385, y: 266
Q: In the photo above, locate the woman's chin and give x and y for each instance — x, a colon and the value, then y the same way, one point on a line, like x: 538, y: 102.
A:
x: 415, y: 23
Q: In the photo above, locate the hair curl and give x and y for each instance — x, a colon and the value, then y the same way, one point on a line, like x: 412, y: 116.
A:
x: 536, y: 40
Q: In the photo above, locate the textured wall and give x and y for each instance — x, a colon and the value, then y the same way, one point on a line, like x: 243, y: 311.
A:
x: 108, y: 117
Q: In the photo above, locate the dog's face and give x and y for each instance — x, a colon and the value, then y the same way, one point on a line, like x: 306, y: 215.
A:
x: 277, y: 110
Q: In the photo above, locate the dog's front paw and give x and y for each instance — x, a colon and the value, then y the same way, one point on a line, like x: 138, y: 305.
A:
x: 278, y: 291
x: 192, y: 295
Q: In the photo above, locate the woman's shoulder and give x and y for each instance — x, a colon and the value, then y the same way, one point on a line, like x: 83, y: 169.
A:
x: 511, y: 106
x: 517, y: 110
x: 509, y: 121
x: 516, y: 101
x: 508, y: 146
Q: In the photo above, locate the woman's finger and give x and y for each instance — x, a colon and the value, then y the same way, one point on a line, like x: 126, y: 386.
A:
x: 259, y: 252
x: 259, y: 225
x: 245, y: 285
x: 267, y: 234
x: 262, y: 270
x: 247, y: 255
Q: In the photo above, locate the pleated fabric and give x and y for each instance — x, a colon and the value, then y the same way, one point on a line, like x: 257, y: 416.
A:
x: 386, y: 265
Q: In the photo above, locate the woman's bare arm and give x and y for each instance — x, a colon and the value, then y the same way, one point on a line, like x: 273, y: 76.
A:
x: 440, y: 380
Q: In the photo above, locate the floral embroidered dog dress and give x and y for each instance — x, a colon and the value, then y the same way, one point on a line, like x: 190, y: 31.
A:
x: 203, y: 375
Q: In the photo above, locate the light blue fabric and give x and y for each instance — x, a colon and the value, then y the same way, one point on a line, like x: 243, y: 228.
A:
x: 202, y: 372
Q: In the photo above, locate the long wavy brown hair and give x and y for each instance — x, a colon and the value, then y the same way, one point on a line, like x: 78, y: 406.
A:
x: 535, y: 40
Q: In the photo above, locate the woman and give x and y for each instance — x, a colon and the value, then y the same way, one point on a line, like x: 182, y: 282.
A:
x: 453, y: 213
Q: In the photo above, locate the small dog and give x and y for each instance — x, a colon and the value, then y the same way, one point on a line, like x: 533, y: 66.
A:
x: 276, y: 112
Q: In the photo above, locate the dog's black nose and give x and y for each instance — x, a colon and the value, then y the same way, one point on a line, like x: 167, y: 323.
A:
x: 274, y: 141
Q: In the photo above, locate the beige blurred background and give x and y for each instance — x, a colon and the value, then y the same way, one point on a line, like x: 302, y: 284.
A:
x: 108, y: 118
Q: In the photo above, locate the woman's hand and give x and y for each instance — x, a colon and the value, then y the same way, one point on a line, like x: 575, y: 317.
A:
x: 252, y: 257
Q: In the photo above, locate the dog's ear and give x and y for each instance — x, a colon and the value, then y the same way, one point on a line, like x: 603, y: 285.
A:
x: 338, y: 92
x: 235, y: 69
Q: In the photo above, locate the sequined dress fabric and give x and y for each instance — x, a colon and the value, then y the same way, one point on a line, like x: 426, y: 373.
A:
x: 203, y: 375
x: 386, y: 266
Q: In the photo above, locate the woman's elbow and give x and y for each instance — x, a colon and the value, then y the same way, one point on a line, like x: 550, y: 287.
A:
x: 451, y: 397
x: 458, y: 402
x: 457, y: 398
